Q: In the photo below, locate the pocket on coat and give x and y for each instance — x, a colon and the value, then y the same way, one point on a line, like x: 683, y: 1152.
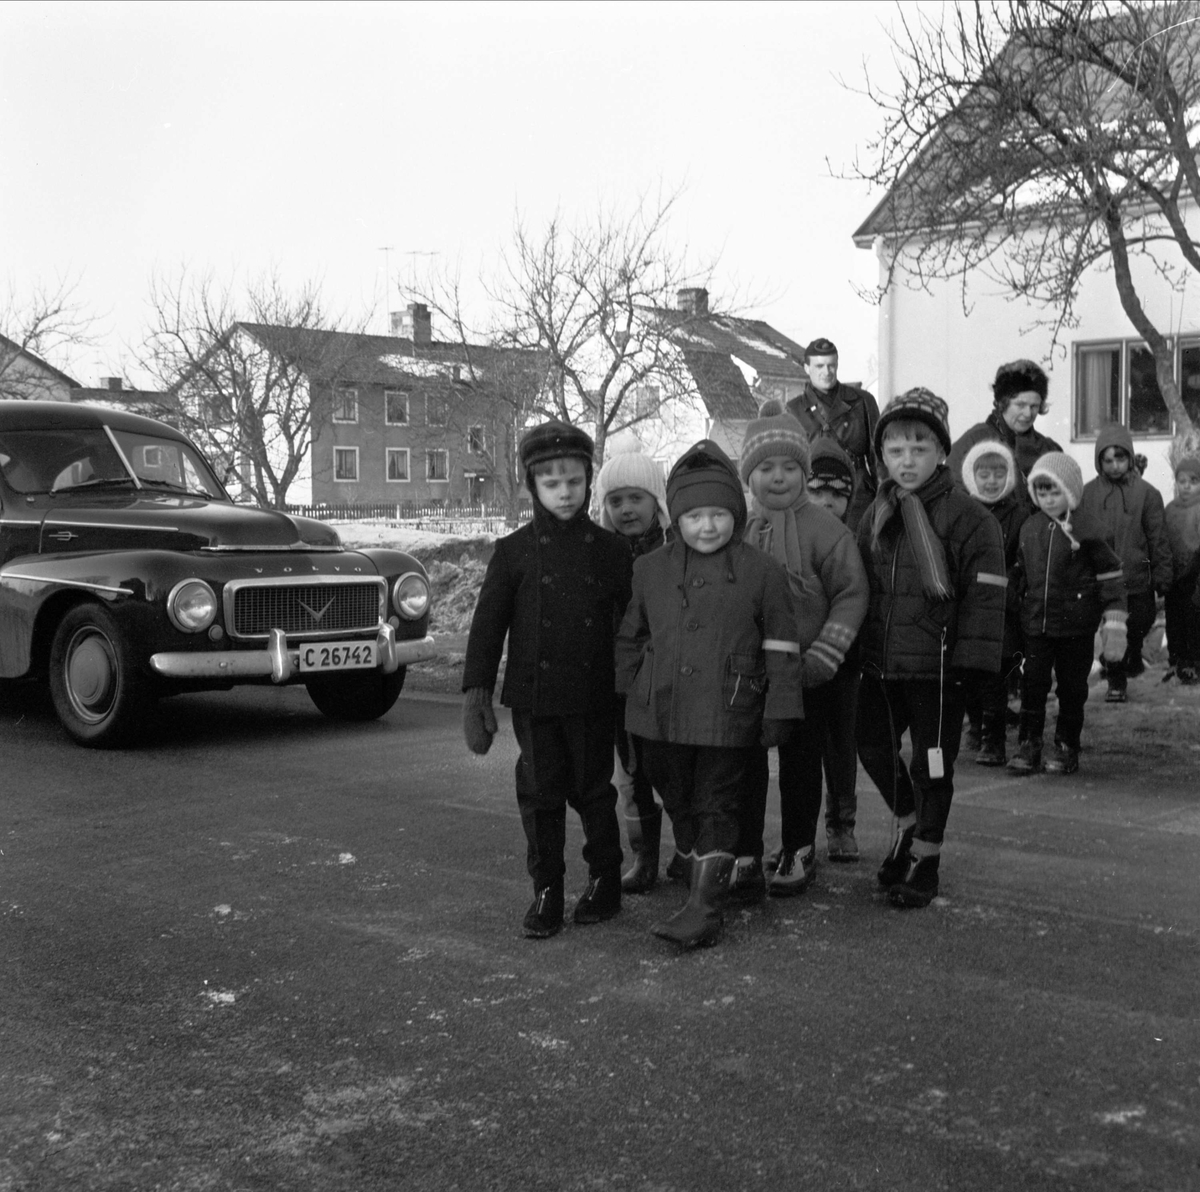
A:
x: 643, y: 681
x: 745, y: 684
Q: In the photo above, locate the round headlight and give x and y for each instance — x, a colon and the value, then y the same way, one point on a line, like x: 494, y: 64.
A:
x: 410, y: 596
x: 192, y: 606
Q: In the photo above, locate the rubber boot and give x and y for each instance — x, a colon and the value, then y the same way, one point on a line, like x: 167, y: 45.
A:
x: 700, y: 921
x: 644, y: 833
x: 919, y: 886
x: 545, y: 915
x: 992, y: 751
x: 896, y: 863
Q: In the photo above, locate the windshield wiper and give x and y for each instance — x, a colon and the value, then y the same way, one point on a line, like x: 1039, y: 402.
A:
x: 96, y: 482
x: 175, y: 488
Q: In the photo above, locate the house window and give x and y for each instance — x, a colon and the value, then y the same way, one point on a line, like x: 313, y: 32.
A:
x: 646, y: 400
x: 395, y: 408
x: 1189, y: 378
x: 345, y: 463
x: 345, y: 405
x: 397, y: 463
x: 1117, y: 382
x: 436, y: 412
x: 475, y: 443
x: 437, y: 464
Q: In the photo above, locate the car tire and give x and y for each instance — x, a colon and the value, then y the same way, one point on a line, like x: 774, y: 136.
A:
x: 98, y: 692
x: 356, y: 697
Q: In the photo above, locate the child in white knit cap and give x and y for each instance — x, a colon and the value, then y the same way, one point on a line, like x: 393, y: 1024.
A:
x: 1070, y: 583
x: 632, y: 498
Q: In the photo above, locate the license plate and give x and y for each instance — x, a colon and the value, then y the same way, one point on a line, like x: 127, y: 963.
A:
x: 336, y: 656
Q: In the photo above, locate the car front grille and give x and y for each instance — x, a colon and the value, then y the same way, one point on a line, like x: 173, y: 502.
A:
x: 304, y: 608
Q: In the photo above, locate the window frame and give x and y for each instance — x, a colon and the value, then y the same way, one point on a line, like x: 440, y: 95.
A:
x: 432, y: 402
x: 430, y: 452
x: 387, y: 465
x: 341, y: 392
x: 1125, y: 348
x: 387, y: 418
x: 477, y: 442
x: 357, y: 472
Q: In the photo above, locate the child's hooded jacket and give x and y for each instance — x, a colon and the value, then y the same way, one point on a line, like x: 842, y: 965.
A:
x: 708, y: 645
x: 1130, y: 514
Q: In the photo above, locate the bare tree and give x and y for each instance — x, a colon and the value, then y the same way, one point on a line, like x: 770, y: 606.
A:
x: 590, y: 297
x: 47, y: 321
x: 240, y: 368
x: 1029, y: 141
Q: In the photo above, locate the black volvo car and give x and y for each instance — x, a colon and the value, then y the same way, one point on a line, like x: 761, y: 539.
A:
x: 127, y: 573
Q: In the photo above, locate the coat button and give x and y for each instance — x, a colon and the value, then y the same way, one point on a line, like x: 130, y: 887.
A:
x: 693, y: 626
x: 697, y: 582
x: 544, y: 664
x: 544, y: 540
x: 545, y: 579
x: 685, y: 670
x: 587, y: 621
x: 589, y: 538
x: 545, y: 622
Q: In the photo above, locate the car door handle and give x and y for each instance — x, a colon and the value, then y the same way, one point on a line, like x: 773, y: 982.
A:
x: 62, y: 536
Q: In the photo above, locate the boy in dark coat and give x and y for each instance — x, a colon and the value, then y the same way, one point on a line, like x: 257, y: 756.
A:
x: 990, y: 475
x: 556, y: 588
x: 708, y: 660
x: 1129, y: 511
x: 1070, y: 584
x: 935, y: 565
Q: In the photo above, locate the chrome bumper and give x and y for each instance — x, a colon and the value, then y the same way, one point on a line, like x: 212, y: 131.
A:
x: 278, y: 661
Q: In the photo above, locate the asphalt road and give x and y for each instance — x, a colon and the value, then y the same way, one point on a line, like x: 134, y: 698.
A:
x: 271, y: 952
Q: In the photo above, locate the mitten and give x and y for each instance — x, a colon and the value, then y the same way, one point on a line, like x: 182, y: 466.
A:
x: 822, y: 659
x: 777, y: 732
x: 816, y: 667
x: 1113, y: 639
x: 479, y: 721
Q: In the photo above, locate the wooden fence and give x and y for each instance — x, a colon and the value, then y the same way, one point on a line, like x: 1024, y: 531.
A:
x: 409, y: 511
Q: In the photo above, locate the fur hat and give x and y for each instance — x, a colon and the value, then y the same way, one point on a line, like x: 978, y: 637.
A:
x: 704, y: 475
x: 628, y: 466
x: 1184, y: 454
x: 830, y: 467
x: 1064, y: 471
x: 773, y: 432
x: 917, y: 405
x: 1020, y: 376
x: 981, y: 450
x: 556, y: 440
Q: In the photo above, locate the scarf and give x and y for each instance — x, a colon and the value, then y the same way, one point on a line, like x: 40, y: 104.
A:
x: 926, y: 546
x: 775, y: 532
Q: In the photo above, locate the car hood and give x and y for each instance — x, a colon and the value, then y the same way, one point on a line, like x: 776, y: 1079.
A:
x: 184, y: 523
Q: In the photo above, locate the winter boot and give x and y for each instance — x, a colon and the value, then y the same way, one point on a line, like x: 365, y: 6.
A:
x: 919, y: 886
x: 895, y: 864
x: 842, y: 846
x: 545, y: 916
x: 1063, y: 759
x: 699, y: 923
x: 645, y: 832
x: 972, y: 738
x: 991, y: 750
x: 748, y: 886
x: 795, y: 874
x: 601, y: 899
x: 1028, y: 758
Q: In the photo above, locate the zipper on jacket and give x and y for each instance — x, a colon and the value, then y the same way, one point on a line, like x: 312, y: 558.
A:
x: 1046, y: 585
x: 887, y: 624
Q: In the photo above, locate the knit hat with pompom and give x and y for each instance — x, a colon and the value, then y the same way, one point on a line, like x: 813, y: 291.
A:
x: 1064, y: 471
x: 628, y: 466
x: 773, y: 432
x: 1185, y: 454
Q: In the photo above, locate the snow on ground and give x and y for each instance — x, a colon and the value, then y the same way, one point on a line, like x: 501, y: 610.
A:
x: 410, y: 536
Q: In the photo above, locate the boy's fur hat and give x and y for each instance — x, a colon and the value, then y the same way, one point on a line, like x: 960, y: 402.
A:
x: 556, y: 440
x: 917, y: 405
x: 831, y: 467
x: 773, y: 432
x: 982, y: 448
x: 630, y: 467
x: 704, y: 475
x: 1113, y: 435
x: 1064, y: 471
x: 1184, y: 454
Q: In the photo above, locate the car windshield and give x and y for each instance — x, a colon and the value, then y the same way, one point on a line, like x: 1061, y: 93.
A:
x: 63, y: 460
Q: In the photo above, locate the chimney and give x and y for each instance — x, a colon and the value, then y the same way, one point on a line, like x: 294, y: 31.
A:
x: 692, y: 301
x: 413, y: 322
x: 112, y: 384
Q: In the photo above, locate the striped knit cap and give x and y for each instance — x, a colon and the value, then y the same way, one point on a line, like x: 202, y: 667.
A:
x: 773, y: 432
x: 917, y: 405
x: 1064, y: 471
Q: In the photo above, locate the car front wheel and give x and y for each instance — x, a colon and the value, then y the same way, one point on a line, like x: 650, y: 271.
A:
x: 94, y: 682
x: 364, y: 696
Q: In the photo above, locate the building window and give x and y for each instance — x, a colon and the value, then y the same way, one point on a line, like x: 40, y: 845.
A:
x: 437, y: 464
x: 345, y: 463
x: 395, y: 407
x: 1189, y: 378
x: 1117, y: 382
x: 646, y: 400
x: 475, y: 442
x: 397, y: 463
x: 345, y: 405
x: 436, y: 411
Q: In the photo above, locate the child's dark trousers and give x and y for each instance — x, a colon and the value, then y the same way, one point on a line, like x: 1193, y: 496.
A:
x: 1069, y: 661
x: 702, y: 788
x: 1183, y: 624
x: 566, y: 761
x: 928, y: 711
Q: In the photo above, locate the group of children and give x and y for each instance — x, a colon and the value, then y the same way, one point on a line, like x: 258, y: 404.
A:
x: 698, y: 631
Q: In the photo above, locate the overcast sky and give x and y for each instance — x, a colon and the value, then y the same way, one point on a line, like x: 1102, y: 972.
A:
x: 237, y: 137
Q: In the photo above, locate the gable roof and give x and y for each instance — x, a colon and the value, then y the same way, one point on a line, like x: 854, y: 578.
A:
x: 11, y: 347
